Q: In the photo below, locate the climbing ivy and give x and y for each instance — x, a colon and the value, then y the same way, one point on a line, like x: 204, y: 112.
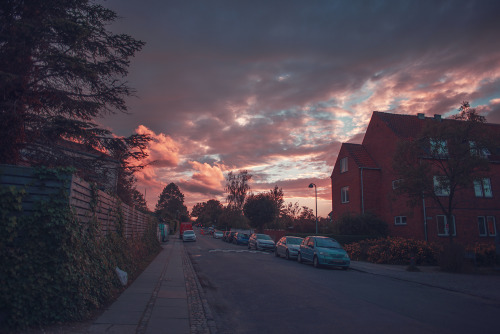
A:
x: 54, y: 268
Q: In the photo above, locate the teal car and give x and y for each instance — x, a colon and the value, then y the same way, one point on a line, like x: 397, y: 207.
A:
x: 323, y: 251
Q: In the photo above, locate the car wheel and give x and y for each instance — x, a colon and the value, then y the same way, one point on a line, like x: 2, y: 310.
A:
x: 276, y: 253
x: 315, y: 262
x: 287, y: 255
x: 299, y: 258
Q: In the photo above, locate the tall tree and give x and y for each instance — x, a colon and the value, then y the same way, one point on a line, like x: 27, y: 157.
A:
x: 208, y: 212
x: 60, y: 68
x: 237, y: 188
x: 260, y: 210
x: 447, y: 157
x: 171, y: 203
x: 276, y: 194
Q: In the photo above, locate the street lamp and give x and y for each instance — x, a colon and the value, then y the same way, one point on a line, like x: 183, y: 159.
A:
x: 316, y: 194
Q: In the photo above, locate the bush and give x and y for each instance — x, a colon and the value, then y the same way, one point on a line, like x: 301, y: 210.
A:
x: 393, y: 251
x: 364, y: 224
x: 485, y: 253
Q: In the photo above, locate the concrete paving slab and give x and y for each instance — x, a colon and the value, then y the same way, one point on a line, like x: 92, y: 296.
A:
x: 165, y: 325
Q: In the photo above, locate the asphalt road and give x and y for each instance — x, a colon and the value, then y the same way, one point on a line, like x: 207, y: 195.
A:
x: 255, y: 292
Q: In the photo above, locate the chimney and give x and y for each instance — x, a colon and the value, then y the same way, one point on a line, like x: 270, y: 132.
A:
x: 421, y: 116
x: 437, y: 117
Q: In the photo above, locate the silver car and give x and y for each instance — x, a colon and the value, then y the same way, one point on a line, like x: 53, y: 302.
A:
x: 188, y: 235
x: 261, y: 242
x: 288, y: 247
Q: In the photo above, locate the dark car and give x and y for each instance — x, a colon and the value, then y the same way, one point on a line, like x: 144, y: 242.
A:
x: 241, y: 238
x: 323, y: 251
x: 230, y: 236
x: 225, y: 235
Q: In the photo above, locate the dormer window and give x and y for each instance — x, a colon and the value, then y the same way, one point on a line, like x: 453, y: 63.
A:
x: 343, y: 165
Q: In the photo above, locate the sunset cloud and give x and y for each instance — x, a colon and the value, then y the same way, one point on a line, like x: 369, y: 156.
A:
x: 276, y: 87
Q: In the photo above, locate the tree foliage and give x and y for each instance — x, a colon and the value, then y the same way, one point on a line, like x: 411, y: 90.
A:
x: 207, y: 212
x: 447, y: 157
x: 171, y: 203
x: 260, y: 210
x: 60, y: 69
x: 237, y: 188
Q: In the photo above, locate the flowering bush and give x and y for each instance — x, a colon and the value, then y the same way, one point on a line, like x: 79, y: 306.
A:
x: 394, y: 251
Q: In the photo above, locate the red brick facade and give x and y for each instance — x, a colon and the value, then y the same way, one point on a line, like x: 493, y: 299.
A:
x: 369, y: 177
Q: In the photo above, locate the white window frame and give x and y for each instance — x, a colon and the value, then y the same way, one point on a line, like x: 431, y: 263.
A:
x: 439, y: 147
x: 443, y: 233
x: 491, y: 232
x: 438, y: 189
x: 400, y: 220
x: 482, y: 188
x: 344, y: 194
x: 396, y: 184
x: 344, y: 167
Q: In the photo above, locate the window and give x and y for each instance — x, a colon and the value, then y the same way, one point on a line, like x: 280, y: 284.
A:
x: 439, y: 147
x: 400, y: 220
x: 443, y: 228
x: 396, y: 183
x: 344, y: 195
x: 482, y: 188
x: 441, y: 186
x: 481, y: 222
x: 487, y: 226
x: 481, y: 152
x: 343, y: 165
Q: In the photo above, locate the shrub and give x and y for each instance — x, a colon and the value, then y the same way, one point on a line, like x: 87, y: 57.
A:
x: 364, y: 224
x: 393, y: 251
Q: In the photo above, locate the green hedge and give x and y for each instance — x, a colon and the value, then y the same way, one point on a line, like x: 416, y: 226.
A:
x: 55, y: 269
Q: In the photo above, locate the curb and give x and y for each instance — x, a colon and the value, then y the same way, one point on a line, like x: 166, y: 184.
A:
x: 200, y: 315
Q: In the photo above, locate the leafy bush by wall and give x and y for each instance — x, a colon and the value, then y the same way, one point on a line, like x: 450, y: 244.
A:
x: 394, y: 251
x: 363, y: 224
x: 55, y: 269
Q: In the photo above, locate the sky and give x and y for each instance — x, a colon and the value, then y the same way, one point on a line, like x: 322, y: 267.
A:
x: 275, y: 87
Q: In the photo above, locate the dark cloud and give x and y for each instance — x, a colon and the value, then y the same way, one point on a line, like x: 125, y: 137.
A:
x: 246, y: 84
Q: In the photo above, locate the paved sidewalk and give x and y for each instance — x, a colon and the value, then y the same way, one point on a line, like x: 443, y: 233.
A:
x: 165, y: 298
x: 484, y: 286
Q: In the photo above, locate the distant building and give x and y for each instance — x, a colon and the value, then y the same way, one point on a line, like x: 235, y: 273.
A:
x: 363, y: 182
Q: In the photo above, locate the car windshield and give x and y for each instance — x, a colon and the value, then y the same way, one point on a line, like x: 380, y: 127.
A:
x: 263, y: 237
x: 294, y: 241
x: 327, y: 243
x: 188, y: 232
x: 245, y: 236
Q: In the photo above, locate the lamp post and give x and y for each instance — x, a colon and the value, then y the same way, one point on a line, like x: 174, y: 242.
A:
x: 316, y: 195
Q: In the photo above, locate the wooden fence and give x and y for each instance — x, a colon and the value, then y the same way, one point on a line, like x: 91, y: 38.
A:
x: 80, y: 198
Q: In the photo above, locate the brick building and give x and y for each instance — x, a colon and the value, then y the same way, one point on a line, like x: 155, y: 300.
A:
x: 363, y: 182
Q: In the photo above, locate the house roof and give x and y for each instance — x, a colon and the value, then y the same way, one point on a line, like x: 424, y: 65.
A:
x: 360, y: 155
x: 404, y: 126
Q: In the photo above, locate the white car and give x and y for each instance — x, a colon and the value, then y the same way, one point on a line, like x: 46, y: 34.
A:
x: 188, y: 235
x: 218, y: 234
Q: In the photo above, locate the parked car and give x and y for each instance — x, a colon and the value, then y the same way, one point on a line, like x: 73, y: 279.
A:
x: 241, y: 238
x: 288, y: 247
x: 323, y: 251
x: 230, y: 236
x: 261, y: 242
x: 218, y: 234
x: 225, y: 235
x: 189, y: 235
